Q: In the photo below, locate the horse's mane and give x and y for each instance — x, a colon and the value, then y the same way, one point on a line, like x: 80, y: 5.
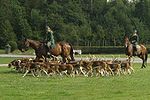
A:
x: 127, y: 38
x: 38, y: 42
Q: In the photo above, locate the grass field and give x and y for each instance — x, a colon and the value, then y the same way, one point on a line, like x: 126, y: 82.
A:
x: 125, y: 87
x: 6, y: 60
x: 30, y: 51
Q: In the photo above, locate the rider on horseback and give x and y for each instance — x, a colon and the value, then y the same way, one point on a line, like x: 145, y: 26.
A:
x: 49, y: 38
x: 134, y: 41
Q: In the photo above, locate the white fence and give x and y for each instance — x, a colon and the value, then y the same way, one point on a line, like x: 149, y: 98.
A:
x: 77, y: 52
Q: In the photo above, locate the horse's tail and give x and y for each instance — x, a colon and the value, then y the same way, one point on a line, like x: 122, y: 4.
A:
x: 71, y: 52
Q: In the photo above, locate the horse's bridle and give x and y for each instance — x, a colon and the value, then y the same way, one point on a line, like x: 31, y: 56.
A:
x: 127, y: 42
x: 24, y: 46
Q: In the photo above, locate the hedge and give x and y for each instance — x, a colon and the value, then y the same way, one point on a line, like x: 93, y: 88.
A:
x: 101, y: 50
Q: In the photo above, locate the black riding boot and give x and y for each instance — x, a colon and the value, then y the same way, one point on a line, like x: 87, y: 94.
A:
x: 48, y: 51
x: 134, y: 51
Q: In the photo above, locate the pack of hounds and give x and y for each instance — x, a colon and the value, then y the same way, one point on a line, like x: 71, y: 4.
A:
x: 88, y: 68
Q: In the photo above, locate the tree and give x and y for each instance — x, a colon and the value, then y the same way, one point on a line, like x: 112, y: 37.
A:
x: 21, y: 25
x: 7, y: 33
x: 80, y: 22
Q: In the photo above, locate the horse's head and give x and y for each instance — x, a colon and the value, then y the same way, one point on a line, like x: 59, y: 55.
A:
x: 23, y: 45
x: 26, y: 43
x: 20, y: 47
x: 126, y: 41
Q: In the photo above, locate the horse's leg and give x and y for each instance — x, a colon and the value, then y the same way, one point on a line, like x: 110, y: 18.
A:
x: 68, y: 59
x: 64, y: 59
x: 143, y: 59
x: 143, y: 64
x: 129, y: 57
x: 71, y: 53
x: 72, y: 57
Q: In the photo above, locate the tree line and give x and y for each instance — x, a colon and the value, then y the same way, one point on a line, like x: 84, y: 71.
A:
x: 80, y: 22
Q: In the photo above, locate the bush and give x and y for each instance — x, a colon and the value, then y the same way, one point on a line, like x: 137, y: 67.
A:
x: 13, y: 45
x: 101, y: 50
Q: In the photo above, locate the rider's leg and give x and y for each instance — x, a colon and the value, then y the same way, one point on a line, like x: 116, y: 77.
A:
x: 135, y: 49
x: 48, y: 45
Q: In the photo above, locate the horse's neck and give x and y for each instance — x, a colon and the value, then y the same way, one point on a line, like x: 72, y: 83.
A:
x: 128, y: 42
x: 34, y: 44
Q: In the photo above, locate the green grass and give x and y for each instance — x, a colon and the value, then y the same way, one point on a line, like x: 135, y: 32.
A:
x: 125, y: 87
x: 6, y: 60
x: 28, y: 52
x: 2, y: 51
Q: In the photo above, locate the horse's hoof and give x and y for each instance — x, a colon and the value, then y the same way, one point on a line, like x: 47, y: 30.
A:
x: 143, y: 67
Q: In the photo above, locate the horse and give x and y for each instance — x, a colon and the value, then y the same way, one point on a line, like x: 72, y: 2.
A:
x: 141, y: 51
x: 63, y: 49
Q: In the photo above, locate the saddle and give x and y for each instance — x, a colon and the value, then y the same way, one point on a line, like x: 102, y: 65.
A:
x: 136, y: 49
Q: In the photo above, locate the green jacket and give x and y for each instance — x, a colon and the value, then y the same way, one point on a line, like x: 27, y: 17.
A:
x: 135, y: 39
x: 50, y: 40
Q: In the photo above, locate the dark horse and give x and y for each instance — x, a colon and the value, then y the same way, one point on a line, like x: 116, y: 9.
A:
x: 63, y: 49
x: 141, y: 51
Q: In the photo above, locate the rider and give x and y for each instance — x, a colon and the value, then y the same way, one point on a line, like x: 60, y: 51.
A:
x: 49, y: 38
x: 134, y: 41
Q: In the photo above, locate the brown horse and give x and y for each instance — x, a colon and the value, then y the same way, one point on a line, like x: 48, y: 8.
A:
x: 141, y: 51
x: 63, y: 49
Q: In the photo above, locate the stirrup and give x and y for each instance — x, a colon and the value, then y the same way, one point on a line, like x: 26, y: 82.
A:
x: 135, y: 53
x: 48, y: 55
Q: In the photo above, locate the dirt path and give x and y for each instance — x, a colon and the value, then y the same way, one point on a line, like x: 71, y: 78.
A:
x: 1, y: 65
x: 135, y: 59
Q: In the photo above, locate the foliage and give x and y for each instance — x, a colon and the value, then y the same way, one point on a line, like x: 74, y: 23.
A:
x: 6, y: 34
x: 100, y: 49
x: 80, y: 22
x: 13, y: 45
